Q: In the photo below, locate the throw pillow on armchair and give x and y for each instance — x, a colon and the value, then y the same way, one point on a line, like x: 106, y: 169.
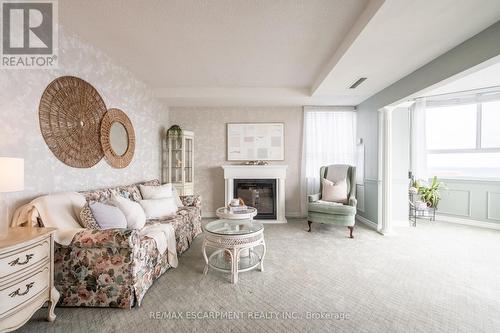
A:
x: 334, y: 192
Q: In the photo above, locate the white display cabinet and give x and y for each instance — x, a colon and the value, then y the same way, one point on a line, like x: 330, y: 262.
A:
x: 179, y: 162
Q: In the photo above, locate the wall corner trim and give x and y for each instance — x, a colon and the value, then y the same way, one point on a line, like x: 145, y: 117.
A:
x: 365, y: 221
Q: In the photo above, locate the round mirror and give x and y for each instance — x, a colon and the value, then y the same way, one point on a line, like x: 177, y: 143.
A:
x: 118, y: 138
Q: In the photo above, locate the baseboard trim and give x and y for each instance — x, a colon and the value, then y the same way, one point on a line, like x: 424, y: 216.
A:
x: 295, y: 215
x: 366, y: 222
x: 208, y: 215
x: 474, y: 223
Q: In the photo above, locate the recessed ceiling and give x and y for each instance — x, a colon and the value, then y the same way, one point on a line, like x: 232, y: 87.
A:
x: 401, y: 37
x: 279, y: 52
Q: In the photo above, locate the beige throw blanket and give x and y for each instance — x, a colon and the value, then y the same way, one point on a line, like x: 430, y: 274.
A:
x: 164, y: 237
x: 62, y: 211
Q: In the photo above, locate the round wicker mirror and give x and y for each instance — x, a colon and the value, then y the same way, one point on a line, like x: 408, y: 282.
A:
x: 70, y: 114
x: 117, y: 138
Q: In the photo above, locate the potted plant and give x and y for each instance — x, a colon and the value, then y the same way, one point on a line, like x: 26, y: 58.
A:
x: 175, y: 131
x: 430, y: 194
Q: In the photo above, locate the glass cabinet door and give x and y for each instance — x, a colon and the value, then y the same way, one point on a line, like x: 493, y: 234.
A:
x: 189, y: 161
x: 176, y: 159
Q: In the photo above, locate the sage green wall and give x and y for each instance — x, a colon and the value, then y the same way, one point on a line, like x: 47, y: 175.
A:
x: 472, y: 52
x: 367, y: 130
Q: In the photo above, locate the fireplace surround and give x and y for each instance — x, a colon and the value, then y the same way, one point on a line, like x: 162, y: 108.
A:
x: 257, y: 183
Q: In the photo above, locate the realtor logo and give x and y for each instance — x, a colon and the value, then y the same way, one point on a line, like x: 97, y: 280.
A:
x: 29, y: 34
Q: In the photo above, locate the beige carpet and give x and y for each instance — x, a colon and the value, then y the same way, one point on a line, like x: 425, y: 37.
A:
x: 434, y: 278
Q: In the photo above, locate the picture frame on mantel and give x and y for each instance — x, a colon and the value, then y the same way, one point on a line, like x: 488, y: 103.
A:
x: 255, y: 141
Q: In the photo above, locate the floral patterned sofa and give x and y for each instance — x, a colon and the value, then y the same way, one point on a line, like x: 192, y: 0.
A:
x: 115, y: 267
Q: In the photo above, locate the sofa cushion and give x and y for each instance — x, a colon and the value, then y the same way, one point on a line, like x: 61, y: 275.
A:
x: 331, y: 209
x: 107, y: 216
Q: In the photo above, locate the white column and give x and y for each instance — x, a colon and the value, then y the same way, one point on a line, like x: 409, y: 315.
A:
x: 229, y: 190
x: 385, y: 135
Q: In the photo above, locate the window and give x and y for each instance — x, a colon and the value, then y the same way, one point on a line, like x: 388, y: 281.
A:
x: 490, y: 134
x: 451, y: 127
x: 463, y: 139
x: 329, y: 138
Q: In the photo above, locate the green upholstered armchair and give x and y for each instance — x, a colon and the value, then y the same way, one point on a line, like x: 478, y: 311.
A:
x: 342, y: 215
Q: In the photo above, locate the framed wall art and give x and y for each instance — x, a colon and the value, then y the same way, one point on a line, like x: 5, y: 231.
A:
x: 255, y: 141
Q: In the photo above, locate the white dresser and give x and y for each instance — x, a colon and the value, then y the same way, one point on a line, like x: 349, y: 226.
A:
x: 26, y: 276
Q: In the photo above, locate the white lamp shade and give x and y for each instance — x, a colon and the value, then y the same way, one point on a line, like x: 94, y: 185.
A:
x: 11, y: 174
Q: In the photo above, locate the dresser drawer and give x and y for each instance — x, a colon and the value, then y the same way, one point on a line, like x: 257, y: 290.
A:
x: 24, y: 257
x: 24, y: 289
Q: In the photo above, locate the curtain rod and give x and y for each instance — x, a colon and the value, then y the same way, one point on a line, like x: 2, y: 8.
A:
x: 329, y: 108
x: 463, y: 92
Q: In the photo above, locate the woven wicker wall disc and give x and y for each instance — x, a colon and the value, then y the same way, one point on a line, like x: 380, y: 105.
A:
x: 115, y: 160
x: 70, y: 114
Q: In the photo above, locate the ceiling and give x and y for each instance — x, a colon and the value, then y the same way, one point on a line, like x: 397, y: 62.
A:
x: 279, y: 52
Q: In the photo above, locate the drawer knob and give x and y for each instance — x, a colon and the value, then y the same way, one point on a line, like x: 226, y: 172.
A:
x: 18, y: 291
x: 18, y: 262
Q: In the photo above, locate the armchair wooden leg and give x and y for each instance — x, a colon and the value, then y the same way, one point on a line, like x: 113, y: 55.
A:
x: 350, y: 232
x: 309, y: 223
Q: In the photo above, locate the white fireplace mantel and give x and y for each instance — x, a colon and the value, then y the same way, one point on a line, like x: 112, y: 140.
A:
x: 278, y: 172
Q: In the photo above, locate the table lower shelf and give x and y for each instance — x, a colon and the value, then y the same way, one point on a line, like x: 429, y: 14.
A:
x: 222, y: 262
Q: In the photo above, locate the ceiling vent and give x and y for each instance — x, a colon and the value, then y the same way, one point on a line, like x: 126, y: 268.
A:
x: 357, y: 83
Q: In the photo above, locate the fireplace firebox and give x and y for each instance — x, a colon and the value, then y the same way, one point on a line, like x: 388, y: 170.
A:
x: 258, y: 193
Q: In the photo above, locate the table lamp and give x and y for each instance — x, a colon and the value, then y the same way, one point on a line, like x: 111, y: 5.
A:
x: 11, y: 180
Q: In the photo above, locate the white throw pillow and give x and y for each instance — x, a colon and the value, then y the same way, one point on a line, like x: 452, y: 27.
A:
x: 107, y: 216
x: 160, y: 192
x: 136, y: 218
x: 158, y: 208
x: 156, y: 192
x: 334, y: 192
x: 178, y: 201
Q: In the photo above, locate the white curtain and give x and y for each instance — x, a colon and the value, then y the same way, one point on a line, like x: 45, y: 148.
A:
x: 418, y: 158
x: 329, y: 137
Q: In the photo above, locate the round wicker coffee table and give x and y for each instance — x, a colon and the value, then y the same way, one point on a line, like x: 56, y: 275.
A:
x: 239, y: 246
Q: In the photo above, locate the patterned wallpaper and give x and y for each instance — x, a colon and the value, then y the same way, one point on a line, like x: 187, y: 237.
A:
x: 20, y: 92
x: 209, y: 126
